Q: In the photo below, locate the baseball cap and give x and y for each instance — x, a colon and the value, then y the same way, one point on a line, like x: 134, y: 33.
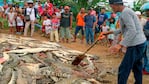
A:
x: 115, y: 1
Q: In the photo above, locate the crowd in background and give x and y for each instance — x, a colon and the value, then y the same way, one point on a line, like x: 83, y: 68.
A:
x: 57, y: 22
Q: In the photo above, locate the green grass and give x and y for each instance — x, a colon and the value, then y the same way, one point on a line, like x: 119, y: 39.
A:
x: 5, y: 23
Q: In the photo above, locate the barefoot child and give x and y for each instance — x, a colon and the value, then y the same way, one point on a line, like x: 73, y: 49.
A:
x: 19, y: 23
x: 112, y: 28
x: 55, y: 26
x: 47, y: 24
x: 11, y: 21
x: 105, y: 28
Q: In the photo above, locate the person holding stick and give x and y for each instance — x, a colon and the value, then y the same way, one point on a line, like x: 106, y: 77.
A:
x: 133, y: 38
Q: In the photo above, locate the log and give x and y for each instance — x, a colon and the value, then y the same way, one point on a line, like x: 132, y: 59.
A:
x: 13, y: 78
x: 30, y: 50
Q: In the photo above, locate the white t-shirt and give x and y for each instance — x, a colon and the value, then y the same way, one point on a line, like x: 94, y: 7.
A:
x: 105, y: 28
x: 62, y: 11
x: 11, y: 17
x: 58, y: 14
x: 32, y: 15
x: 19, y: 21
x: 47, y: 23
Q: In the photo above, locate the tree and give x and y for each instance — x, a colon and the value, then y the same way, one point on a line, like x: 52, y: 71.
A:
x: 138, y: 4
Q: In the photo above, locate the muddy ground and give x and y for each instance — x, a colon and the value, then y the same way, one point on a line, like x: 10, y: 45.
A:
x: 111, y: 61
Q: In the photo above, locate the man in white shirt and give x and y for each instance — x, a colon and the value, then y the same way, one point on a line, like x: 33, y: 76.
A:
x: 31, y: 11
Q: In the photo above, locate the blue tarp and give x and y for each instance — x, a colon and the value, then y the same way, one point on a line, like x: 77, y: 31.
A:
x: 1, y: 3
x: 21, y: 3
x: 145, y: 6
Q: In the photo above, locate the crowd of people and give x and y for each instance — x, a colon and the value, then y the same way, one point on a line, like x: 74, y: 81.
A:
x: 57, y: 21
x: 123, y: 26
x: 57, y: 25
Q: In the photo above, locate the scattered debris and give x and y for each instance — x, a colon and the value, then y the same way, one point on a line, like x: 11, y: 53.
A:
x: 30, y: 61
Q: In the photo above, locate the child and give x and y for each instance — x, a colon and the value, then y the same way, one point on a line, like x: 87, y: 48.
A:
x: 55, y: 26
x: 105, y: 28
x: 11, y: 20
x: 19, y: 23
x: 47, y: 25
x: 112, y: 28
x: 90, y: 22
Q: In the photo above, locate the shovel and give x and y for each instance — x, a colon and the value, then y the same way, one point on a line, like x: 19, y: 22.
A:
x: 80, y: 57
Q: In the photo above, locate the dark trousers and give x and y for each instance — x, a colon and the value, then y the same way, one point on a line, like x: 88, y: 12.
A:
x: 78, y: 28
x: 146, y: 58
x: 132, y: 60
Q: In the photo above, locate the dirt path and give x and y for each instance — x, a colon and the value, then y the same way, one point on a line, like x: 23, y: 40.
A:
x: 101, y: 51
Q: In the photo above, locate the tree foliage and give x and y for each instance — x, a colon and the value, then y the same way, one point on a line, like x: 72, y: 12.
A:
x: 138, y: 4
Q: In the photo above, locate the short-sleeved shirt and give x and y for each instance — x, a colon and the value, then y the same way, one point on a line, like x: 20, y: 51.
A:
x: 31, y: 12
x: 55, y: 23
x: 80, y: 19
x: 105, y: 28
x: 102, y: 18
x: 19, y: 21
x: 58, y: 14
x: 47, y: 23
x: 89, y: 21
x: 11, y: 16
x: 65, y: 20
